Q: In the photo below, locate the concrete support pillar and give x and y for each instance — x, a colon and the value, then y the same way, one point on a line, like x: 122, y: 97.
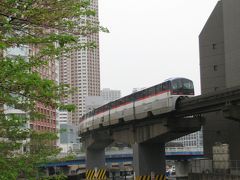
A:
x: 149, y: 157
x: 95, y: 158
x: 182, y: 168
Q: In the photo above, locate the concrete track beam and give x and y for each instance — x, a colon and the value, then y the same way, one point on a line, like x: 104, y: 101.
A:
x: 232, y: 112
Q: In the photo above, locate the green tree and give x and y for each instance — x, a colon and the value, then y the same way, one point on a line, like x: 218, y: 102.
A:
x: 50, y: 28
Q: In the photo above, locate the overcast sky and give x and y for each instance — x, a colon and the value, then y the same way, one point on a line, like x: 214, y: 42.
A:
x: 150, y: 41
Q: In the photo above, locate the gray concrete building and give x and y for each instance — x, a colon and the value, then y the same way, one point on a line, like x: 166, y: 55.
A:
x: 93, y: 102
x: 110, y: 95
x: 219, y: 43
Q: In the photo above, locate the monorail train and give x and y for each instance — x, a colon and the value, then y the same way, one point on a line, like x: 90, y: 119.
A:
x: 158, y: 99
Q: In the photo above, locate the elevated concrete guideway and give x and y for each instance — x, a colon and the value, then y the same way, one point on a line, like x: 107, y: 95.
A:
x: 148, y: 136
x: 227, y: 100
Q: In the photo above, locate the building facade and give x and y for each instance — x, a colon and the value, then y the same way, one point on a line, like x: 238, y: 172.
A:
x: 219, y: 43
x: 81, y: 70
x: 110, y: 95
x: 49, y: 71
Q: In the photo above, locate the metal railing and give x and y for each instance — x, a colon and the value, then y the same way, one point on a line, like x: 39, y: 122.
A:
x: 183, y: 149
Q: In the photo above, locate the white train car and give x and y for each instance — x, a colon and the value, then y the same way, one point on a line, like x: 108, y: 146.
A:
x: 158, y: 99
x: 86, y: 122
x: 102, y: 116
x: 122, y: 110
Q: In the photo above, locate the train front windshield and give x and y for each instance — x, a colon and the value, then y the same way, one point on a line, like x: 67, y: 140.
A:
x: 182, y: 87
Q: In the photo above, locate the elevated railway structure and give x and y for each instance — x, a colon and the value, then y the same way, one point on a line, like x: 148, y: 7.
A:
x: 148, y: 136
x: 227, y: 101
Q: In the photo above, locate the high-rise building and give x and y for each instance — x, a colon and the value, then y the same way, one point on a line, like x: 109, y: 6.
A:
x: 81, y: 70
x: 49, y: 71
x: 110, y: 95
x: 219, y: 43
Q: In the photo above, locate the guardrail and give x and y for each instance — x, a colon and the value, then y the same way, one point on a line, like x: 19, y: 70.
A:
x: 183, y: 149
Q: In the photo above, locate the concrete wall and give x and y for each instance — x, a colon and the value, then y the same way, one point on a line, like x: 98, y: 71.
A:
x: 211, y: 45
x: 231, y: 18
x: 219, y: 44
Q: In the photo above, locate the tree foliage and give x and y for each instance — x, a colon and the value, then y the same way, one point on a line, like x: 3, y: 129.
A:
x: 49, y: 28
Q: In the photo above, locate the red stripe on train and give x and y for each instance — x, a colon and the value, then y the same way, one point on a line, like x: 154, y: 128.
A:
x: 162, y: 92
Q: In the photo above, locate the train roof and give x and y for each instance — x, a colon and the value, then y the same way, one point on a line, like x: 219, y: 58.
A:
x: 173, y: 78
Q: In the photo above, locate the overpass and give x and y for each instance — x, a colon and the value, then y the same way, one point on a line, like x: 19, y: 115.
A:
x: 148, y: 136
x: 126, y: 156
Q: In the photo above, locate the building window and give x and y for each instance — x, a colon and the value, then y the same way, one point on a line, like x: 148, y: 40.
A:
x: 215, y: 67
x: 213, y: 46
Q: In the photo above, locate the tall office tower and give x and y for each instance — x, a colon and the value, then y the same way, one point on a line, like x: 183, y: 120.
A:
x: 219, y: 44
x: 110, y: 95
x: 81, y: 70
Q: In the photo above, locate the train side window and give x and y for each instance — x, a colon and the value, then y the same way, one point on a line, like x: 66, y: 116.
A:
x: 176, y: 84
x: 107, y: 107
x: 111, y: 105
x: 165, y: 86
x: 158, y: 88
x: 118, y: 103
x: 143, y: 93
x: 129, y: 98
x: 151, y: 91
x: 99, y: 110
x: 103, y: 108
x: 125, y: 99
x: 138, y: 95
x: 115, y: 103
